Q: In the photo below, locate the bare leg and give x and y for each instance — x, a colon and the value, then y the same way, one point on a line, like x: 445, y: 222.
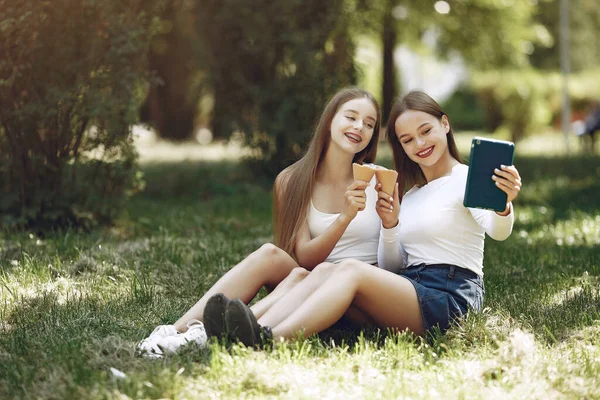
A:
x: 296, y: 295
x: 389, y: 299
x: 269, y: 265
x: 294, y: 278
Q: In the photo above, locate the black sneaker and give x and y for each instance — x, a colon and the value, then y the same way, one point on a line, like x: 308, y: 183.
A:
x: 241, y: 323
x: 214, y: 316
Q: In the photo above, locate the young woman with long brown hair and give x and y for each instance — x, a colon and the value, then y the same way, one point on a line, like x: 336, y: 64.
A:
x: 431, y: 248
x: 316, y: 219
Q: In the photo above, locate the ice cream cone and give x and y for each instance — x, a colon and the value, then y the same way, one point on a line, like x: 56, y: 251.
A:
x: 387, y: 178
x: 362, y: 172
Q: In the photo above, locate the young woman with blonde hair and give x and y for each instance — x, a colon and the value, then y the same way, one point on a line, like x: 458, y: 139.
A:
x: 320, y: 214
x: 431, y: 248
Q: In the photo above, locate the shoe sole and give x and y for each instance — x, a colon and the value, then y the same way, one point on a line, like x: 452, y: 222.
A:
x: 214, y: 316
x: 241, y: 323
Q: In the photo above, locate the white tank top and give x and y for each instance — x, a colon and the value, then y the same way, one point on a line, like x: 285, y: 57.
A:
x: 361, y: 238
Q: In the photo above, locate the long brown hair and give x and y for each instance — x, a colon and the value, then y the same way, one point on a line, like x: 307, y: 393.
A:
x: 409, y: 172
x: 294, y: 185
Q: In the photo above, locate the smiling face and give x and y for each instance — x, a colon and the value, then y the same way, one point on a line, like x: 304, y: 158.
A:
x: 423, y: 139
x: 353, y: 125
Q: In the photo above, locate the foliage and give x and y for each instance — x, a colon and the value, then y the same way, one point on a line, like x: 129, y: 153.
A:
x: 70, y: 81
x: 489, y: 34
x: 527, y: 99
x: 272, y: 71
x: 584, y: 25
x: 73, y: 306
x: 465, y: 109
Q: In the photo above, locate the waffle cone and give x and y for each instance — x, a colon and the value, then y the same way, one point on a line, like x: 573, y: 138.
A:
x: 362, y: 172
x: 387, y: 178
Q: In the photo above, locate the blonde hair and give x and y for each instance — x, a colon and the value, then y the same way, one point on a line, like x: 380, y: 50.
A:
x: 294, y: 185
x: 409, y: 172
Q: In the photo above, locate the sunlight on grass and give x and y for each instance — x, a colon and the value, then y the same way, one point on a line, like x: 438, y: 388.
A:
x: 579, y: 230
x: 163, y: 151
x: 547, y: 143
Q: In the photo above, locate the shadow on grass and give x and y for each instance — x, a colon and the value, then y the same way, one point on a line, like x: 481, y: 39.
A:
x: 583, y: 196
x: 200, y: 180
x: 568, y: 311
x: 563, y: 185
x: 550, y: 288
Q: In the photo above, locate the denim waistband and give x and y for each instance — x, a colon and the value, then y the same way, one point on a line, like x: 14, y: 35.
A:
x: 450, y: 267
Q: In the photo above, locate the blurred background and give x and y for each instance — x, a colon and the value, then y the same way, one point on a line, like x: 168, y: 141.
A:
x: 90, y: 90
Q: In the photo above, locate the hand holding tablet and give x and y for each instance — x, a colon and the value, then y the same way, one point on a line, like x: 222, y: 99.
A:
x: 493, y: 181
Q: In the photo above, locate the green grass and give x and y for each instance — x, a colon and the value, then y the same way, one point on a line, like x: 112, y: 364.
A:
x: 73, y: 304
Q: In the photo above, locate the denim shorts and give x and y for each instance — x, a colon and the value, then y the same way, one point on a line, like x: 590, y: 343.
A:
x: 445, y: 292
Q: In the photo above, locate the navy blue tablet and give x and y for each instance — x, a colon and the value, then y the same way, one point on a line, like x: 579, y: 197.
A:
x: 486, y: 155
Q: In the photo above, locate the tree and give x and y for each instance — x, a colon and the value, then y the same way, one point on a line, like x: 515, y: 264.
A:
x: 389, y: 35
x: 486, y: 33
x: 584, y: 18
x: 64, y: 66
x: 273, y: 70
x: 171, y: 105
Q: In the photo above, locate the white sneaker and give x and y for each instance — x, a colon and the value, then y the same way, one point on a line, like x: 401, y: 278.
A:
x: 195, y: 334
x: 149, y: 346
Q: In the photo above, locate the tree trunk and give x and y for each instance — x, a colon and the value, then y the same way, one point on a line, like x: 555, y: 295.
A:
x: 389, y: 88
x: 171, y: 107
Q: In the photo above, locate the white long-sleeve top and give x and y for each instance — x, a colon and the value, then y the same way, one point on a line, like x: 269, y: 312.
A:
x: 436, y: 228
x: 361, y: 237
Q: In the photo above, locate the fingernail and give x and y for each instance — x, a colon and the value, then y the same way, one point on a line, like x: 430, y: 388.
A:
x: 502, y: 166
x: 391, y: 199
x: 496, y: 170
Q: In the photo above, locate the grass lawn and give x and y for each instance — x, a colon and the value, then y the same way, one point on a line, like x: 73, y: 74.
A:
x: 73, y: 305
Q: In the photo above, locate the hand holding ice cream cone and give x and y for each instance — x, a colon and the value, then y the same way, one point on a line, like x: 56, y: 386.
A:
x: 362, y: 172
x: 388, y: 202
x: 387, y: 178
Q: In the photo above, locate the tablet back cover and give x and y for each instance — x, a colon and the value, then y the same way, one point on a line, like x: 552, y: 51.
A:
x: 487, y: 154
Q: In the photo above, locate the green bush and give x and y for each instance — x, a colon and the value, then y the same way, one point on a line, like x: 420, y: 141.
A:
x: 465, y: 110
x: 71, y: 74
x: 523, y: 101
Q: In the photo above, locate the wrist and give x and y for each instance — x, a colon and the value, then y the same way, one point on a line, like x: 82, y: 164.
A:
x: 389, y: 225
x: 506, y: 210
x: 345, y: 219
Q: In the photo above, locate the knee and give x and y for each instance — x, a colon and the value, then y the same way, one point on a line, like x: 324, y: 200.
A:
x: 348, y: 267
x: 325, y: 268
x: 269, y: 250
x: 297, y: 274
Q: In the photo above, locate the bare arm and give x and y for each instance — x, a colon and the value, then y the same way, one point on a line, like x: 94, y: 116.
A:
x: 310, y: 252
